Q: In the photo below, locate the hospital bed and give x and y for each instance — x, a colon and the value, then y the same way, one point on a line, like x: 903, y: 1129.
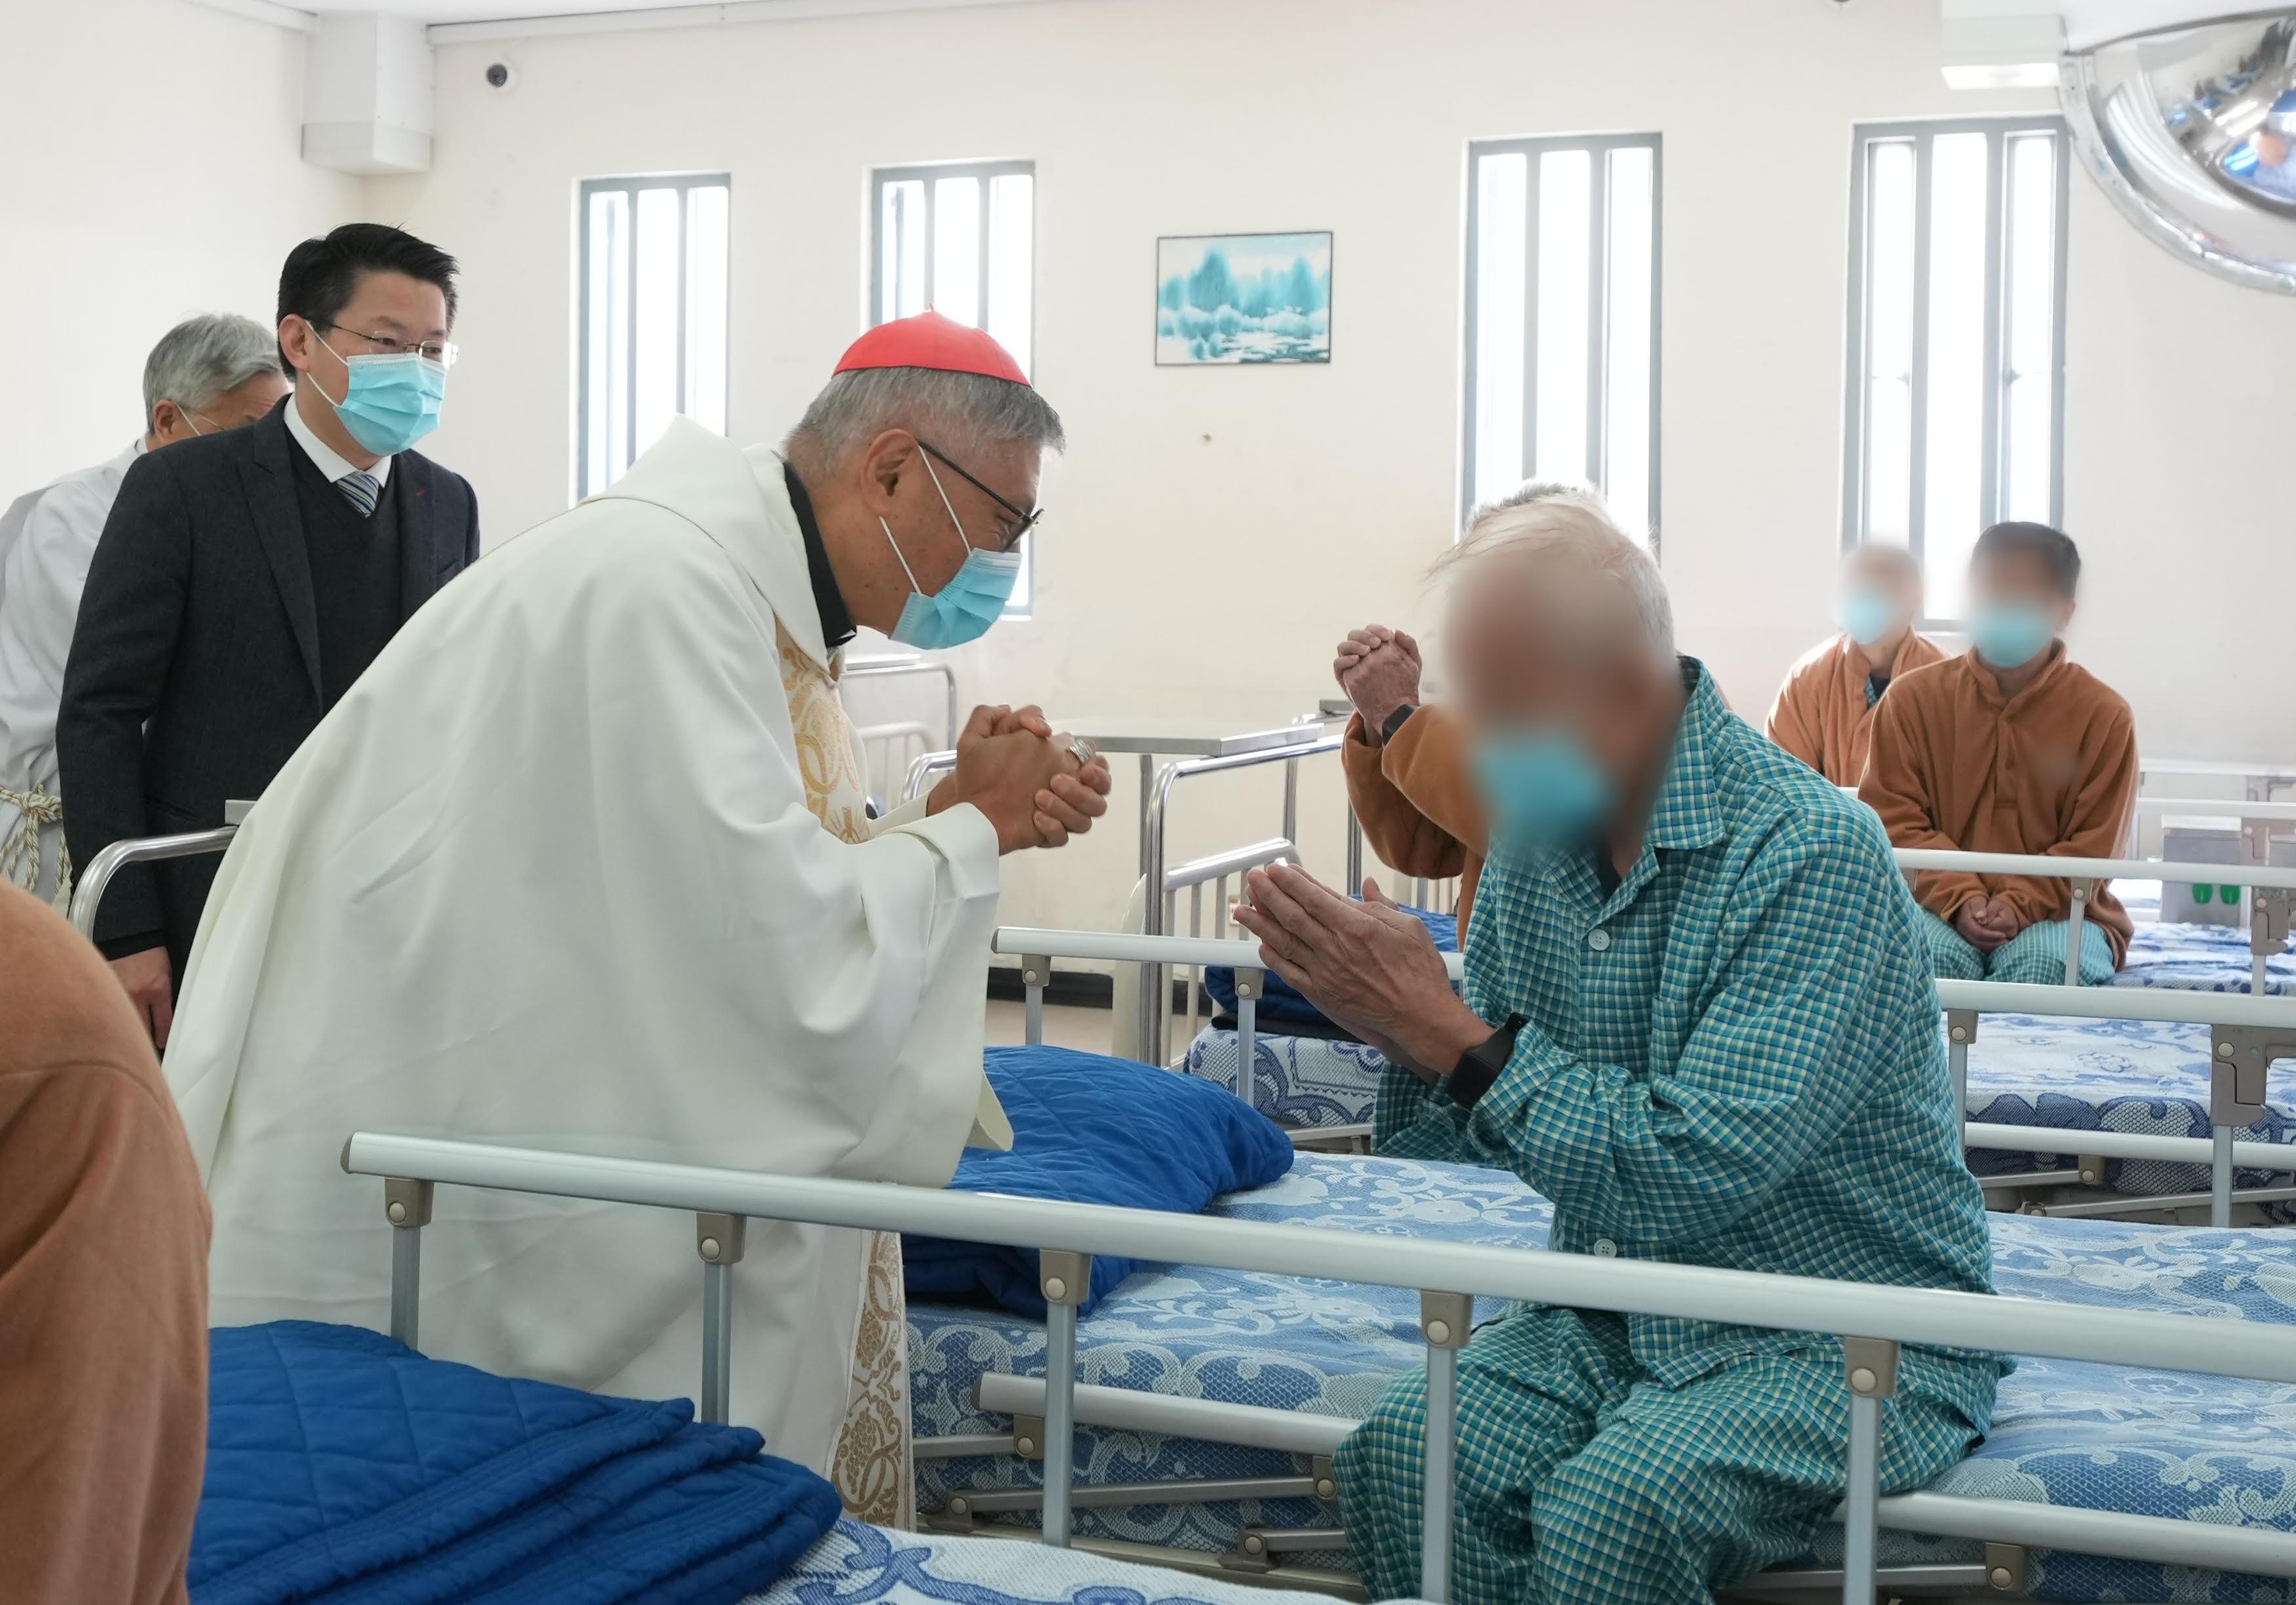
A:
x: 2251, y: 957
x: 2189, y: 1410
x: 1143, y: 995
x: 2168, y: 1101
x: 2260, y: 777
x: 2058, y: 1546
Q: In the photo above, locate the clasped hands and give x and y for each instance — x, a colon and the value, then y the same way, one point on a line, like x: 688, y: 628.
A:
x: 1378, y: 669
x: 1037, y: 792
x: 1369, y: 966
x: 1986, y: 923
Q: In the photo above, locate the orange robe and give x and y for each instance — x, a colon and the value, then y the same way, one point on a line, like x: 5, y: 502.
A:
x: 1417, y: 801
x: 1821, y: 715
x: 1956, y: 767
x: 103, y: 1289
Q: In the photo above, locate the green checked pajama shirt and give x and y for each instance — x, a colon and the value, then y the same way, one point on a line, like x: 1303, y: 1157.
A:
x: 1731, y: 1060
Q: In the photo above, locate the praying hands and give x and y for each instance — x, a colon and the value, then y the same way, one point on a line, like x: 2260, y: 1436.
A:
x: 1369, y: 966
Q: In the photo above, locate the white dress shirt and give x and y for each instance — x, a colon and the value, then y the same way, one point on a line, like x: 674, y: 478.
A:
x: 328, y: 461
x: 42, y: 572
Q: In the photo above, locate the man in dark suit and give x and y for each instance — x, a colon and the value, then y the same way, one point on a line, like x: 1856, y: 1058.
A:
x: 245, y: 581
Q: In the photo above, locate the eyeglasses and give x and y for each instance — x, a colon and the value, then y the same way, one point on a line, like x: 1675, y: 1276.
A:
x: 1023, y: 521
x: 444, y: 352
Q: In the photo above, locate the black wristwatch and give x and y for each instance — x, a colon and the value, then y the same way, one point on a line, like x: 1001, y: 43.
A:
x: 1396, y: 721
x: 1479, y: 1065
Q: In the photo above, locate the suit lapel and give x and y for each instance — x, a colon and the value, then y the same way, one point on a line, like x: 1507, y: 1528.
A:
x: 418, y: 566
x: 269, y: 473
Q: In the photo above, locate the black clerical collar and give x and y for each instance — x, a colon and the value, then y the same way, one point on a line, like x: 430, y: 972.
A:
x: 828, y: 601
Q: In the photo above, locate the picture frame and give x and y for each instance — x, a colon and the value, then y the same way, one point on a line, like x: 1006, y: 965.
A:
x: 1243, y: 300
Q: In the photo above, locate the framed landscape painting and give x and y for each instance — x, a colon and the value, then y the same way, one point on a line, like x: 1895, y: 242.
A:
x: 1236, y: 298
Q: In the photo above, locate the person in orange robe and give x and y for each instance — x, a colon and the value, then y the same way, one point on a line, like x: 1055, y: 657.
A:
x: 104, y: 1285
x: 1407, y: 766
x: 1824, y: 711
x: 2010, y: 747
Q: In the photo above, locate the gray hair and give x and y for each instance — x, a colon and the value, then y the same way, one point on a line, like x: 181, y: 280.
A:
x: 201, y: 357
x: 961, y: 413
x: 1549, y: 527
x: 1523, y: 496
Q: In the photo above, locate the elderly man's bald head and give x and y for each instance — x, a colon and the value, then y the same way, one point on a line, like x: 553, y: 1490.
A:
x: 1553, y: 554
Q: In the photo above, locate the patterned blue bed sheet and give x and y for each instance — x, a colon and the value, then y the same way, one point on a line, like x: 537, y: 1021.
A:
x: 1285, y: 1343
x: 2138, y: 1442
x: 1302, y: 1081
x: 2146, y: 1077
x: 2191, y: 958
x: 858, y: 1565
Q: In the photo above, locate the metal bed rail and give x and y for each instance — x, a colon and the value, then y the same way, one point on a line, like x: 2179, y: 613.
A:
x: 886, y: 754
x: 2246, y: 1035
x: 2271, y: 893
x: 1873, y: 1322
x: 2258, y: 778
x: 1215, y: 871
x: 1155, y: 1003
x: 899, y: 667
x: 95, y: 880
x: 2068, y: 1529
x: 924, y: 769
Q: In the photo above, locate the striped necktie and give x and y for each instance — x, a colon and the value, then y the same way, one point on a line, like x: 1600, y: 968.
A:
x: 361, y: 490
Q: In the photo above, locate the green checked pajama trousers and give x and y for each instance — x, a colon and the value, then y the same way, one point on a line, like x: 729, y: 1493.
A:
x: 2034, y: 957
x: 1580, y: 1479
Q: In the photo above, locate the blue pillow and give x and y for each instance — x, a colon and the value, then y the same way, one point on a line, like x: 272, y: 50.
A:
x: 1089, y: 1129
x: 1284, y: 1005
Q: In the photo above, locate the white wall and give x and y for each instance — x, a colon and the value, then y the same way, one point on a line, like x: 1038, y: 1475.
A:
x: 151, y: 173
x: 1213, y: 531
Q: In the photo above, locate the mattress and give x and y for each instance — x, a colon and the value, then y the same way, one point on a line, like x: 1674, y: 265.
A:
x: 2147, y: 1443
x: 1284, y: 1343
x: 1302, y: 1081
x: 857, y: 1565
x: 2146, y: 1077
x: 2200, y: 958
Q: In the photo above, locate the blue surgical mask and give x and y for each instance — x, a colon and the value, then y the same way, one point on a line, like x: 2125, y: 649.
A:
x: 1542, y: 787
x: 973, y: 600
x: 1865, y: 615
x: 2009, y: 635
x: 392, y: 399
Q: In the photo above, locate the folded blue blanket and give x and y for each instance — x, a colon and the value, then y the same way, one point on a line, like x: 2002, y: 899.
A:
x: 1089, y: 1129
x: 345, y: 1468
x: 1284, y: 1005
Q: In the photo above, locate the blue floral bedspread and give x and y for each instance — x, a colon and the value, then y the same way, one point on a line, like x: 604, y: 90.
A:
x: 2144, y: 1076
x: 2200, y: 958
x: 857, y: 1565
x: 1299, y: 1081
x: 2146, y: 1443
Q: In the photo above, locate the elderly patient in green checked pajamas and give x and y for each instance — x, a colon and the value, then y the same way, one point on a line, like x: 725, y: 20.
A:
x: 1699, y: 1018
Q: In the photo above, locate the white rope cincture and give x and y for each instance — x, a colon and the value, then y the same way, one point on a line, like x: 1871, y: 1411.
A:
x: 20, y: 853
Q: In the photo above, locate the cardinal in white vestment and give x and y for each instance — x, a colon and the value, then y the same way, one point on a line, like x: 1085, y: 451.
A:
x: 582, y: 863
